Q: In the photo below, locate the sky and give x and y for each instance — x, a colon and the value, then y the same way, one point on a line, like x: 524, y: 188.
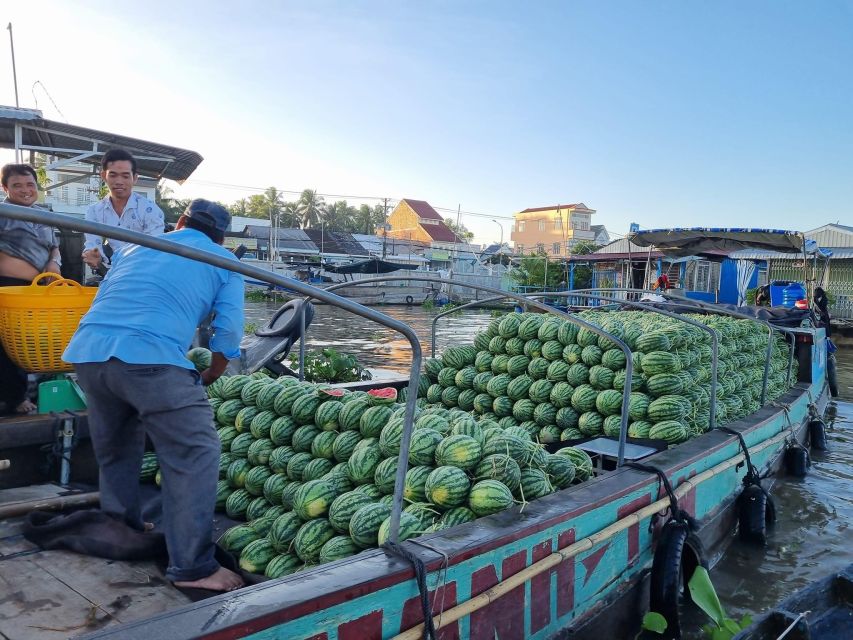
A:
x: 659, y: 113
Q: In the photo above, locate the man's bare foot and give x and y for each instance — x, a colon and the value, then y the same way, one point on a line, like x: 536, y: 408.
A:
x: 25, y: 407
x: 221, y: 580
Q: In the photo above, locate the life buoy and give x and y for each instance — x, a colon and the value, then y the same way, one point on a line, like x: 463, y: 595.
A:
x: 817, y: 435
x: 409, y: 299
x: 832, y: 375
x: 797, y: 461
x: 677, y: 555
x: 756, y: 512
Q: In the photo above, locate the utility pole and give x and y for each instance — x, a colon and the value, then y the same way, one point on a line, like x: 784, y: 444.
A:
x: 15, y: 81
x: 385, y: 228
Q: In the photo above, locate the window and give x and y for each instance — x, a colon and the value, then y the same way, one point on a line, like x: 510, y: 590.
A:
x: 82, y: 196
x: 556, y: 249
x: 580, y: 223
x: 541, y: 225
x: 520, y: 249
x: 540, y: 248
x: 558, y: 223
x: 428, y: 221
x: 521, y: 225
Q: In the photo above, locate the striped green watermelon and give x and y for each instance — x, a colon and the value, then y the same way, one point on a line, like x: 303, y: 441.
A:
x: 652, y: 341
x: 638, y: 406
x: 323, y: 444
x: 265, y: 399
x: 489, y: 496
x: 483, y: 362
x: 609, y: 402
x: 666, y: 408
x: 373, y: 420
x: 283, y: 565
x: 571, y: 433
x: 657, y: 362
x: 326, y: 415
x: 497, y: 386
x: 533, y: 348
x: 289, y: 492
x: 509, y: 325
x: 566, y: 417
x: 459, y: 450
x: 237, y: 503
x: 200, y: 357
x: 225, y: 459
x: 600, y: 377
x: 447, y: 487
x: 612, y: 427
x: 672, y: 431
x: 261, y: 424
x: 304, y: 407
x: 313, y: 499
x: 410, y: 527
x: 577, y: 374
x: 365, y: 522
x: 591, y: 355
x: 499, y: 467
x: 296, y: 465
x: 591, y: 423
x: 279, y: 457
x: 236, y: 472
x: 508, y: 444
x: 385, y: 475
x: 257, y: 508
x: 560, y: 470
x: 344, y: 445
x: 552, y: 351
x: 549, y: 329
x: 422, y: 446
x: 227, y: 412
x: 259, y: 451
x: 244, y: 418
x: 223, y: 490
x: 349, y: 417
x: 639, y: 429
x: 310, y: 539
x: 238, y: 538
x: 549, y: 433
x: 362, y: 464
x: 344, y: 506
x: 529, y: 326
x: 338, y: 548
x: 561, y: 395
x: 273, y: 486
x: 316, y: 469
x: 581, y: 460
x: 614, y: 359
x: 456, y: 516
x: 450, y: 396
x: 583, y: 398
x: 538, y: 368
x: 282, y: 430
x: 414, y: 487
x: 232, y: 386
x: 255, y: 479
x: 502, y: 406
x: 665, y: 384
x: 303, y: 437
x: 285, y: 399
x: 226, y: 437
x: 534, y: 484
x: 263, y: 524
x: 572, y: 354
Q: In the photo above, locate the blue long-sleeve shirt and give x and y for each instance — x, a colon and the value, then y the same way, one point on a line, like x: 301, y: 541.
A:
x: 149, y: 305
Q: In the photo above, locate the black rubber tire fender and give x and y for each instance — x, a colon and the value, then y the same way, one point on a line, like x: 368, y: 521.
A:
x: 817, y: 435
x: 797, y: 461
x: 832, y: 375
x: 666, y: 580
x: 756, y: 513
x: 409, y: 299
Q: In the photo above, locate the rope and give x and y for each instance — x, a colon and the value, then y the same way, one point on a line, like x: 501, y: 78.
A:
x: 420, y: 578
x: 440, y: 577
x: 752, y: 476
x: 678, y: 514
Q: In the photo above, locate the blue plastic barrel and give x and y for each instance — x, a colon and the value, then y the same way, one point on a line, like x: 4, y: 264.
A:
x: 793, y: 292
x: 777, y: 292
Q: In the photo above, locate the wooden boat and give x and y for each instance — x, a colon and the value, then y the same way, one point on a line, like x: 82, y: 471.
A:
x: 822, y: 610
x: 571, y: 564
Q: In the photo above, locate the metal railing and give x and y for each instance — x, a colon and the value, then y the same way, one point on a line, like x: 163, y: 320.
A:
x: 39, y: 216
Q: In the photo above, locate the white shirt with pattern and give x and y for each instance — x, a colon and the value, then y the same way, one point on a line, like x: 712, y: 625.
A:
x: 140, y: 214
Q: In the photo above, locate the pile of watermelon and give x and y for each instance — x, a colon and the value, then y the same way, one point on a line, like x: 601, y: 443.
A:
x: 312, y: 469
x: 557, y: 381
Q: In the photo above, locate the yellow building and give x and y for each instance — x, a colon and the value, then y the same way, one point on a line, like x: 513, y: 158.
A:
x: 553, y: 230
x: 416, y: 220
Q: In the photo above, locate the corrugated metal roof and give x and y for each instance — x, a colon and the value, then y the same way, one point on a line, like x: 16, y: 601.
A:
x: 287, y: 239
x: 63, y: 140
x: 335, y: 242
x: 576, y: 205
x: 838, y: 253
x: 423, y: 209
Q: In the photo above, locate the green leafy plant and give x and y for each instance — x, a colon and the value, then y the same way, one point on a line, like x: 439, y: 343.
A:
x: 330, y: 366
x: 428, y: 305
x: 705, y: 596
x: 249, y: 328
x: 255, y: 295
x: 750, y: 296
x: 654, y: 622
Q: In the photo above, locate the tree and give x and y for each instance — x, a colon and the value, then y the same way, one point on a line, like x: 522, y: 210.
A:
x: 240, y: 208
x: 339, y: 216
x: 172, y: 207
x: 533, y: 273
x: 460, y: 230
x: 310, y: 208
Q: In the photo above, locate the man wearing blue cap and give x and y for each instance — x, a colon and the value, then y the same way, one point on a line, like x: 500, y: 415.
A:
x: 129, y: 354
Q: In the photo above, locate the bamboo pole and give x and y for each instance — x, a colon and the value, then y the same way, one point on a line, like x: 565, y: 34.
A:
x: 516, y: 580
x: 49, y: 504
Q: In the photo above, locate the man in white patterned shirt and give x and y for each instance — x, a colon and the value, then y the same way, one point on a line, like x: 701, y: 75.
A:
x: 121, y: 207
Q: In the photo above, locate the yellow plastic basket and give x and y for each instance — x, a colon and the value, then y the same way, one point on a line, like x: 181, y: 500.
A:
x: 36, y: 322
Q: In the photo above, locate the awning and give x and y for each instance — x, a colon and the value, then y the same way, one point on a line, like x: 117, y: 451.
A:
x: 370, y: 266
x: 27, y: 130
x: 685, y: 242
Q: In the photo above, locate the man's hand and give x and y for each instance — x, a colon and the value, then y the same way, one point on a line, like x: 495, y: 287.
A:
x: 92, y: 257
x: 217, y: 367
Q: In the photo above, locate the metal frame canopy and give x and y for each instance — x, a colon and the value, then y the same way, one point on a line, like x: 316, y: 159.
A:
x: 27, y: 130
x: 687, y: 242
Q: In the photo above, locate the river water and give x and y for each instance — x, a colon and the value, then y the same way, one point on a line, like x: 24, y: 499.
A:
x: 811, y: 538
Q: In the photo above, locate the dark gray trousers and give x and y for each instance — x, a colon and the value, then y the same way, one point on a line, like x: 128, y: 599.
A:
x: 127, y: 401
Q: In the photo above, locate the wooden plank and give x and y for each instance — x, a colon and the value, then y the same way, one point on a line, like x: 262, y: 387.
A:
x: 15, y: 544
x: 31, y: 492
x: 35, y: 606
x: 126, y: 590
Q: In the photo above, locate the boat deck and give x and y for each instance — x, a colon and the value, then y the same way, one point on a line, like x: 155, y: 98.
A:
x: 48, y: 595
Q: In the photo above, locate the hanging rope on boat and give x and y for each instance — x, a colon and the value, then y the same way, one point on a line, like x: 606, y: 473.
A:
x: 440, y: 578
x: 420, y: 578
x: 677, y: 513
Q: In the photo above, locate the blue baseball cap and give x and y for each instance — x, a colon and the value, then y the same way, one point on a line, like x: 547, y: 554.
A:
x: 209, y: 214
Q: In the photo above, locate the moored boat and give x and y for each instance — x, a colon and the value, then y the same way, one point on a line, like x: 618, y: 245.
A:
x: 572, y: 563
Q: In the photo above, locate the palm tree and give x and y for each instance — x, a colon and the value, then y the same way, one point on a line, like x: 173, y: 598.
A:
x: 273, y: 203
x: 290, y: 215
x: 310, y: 208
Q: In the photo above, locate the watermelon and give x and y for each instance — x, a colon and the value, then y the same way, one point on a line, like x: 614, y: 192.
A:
x: 303, y: 437
x: 283, y: 565
x: 501, y: 467
x: 638, y: 405
x: 456, y: 516
x: 310, y: 539
x: 296, y: 465
x: 601, y: 377
x: 326, y: 416
x: 232, y: 386
x: 344, y: 445
x: 560, y: 470
x: 275, y: 511
x: 583, y: 398
x: 227, y: 412
x: 259, y: 451
x: 581, y: 460
x: 561, y: 395
x: 664, y: 384
x: 265, y: 400
x: 365, y: 522
x: 262, y: 525
x: 552, y: 350
x: 534, y: 484
x: 288, y: 493
x: 533, y: 348
x: 384, y: 396
x: 548, y: 434
x: 349, y: 417
x: 261, y: 424
x: 591, y: 423
x: 458, y: 450
x: 338, y: 548
x: 447, y: 377
x: 279, y: 457
x: 414, y: 487
x: 447, y: 487
x: 422, y: 446
x: 656, y: 362
x: 257, y: 508
x: 316, y: 469
x: 223, y: 490
x: 523, y: 409
x: 200, y: 358
x: 614, y: 359
x: 591, y: 355
x: 285, y: 398
x: 489, y: 496
x: 304, y: 407
x: 538, y: 368
x: 282, y: 430
x: 508, y: 327
x: 410, y: 527
x: 313, y: 499
x: 385, y: 475
x: 566, y: 418
x: 323, y: 444
x: 238, y: 538
x: 667, y: 407
x: 540, y: 391
x: 519, y: 386
x: 374, y: 419
x: 226, y: 437
x: 639, y: 429
x: 255, y: 479
x: 577, y: 374
x: 150, y: 466
x: 237, y: 503
x: 670, y: 430
x: 236, y: 472
x: 273, y: 486
x: 362, y: 464
x: 609, y: 402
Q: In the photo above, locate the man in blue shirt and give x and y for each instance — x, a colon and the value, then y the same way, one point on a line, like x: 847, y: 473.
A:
x: 129, y: 354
